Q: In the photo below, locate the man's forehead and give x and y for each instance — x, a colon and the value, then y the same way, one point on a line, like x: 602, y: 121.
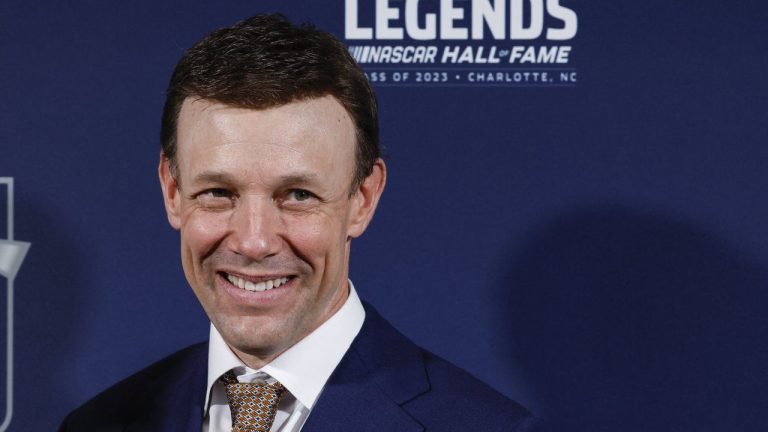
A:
x: 312, y: 135
x: 197, y: 107
x: 314, y: 116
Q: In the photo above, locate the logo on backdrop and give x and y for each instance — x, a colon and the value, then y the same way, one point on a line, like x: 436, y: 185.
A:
x: 526, y: 43
x: 12, y: 254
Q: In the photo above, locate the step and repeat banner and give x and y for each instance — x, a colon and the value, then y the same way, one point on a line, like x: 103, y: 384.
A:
x: 576, y: 209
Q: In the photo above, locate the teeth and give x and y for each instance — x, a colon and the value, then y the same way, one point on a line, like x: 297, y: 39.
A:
x: 261, y: 286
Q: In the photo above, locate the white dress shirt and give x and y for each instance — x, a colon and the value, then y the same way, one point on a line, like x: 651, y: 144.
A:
x: 302, y: 369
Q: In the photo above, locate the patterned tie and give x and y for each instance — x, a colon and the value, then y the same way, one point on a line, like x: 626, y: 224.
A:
x: 253, y: 406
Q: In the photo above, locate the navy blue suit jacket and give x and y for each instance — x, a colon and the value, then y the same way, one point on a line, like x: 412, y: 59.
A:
x: 384, y: 383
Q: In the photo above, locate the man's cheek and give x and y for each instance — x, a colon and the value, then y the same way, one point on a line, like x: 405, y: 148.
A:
x: 203, y: 231
x: 310, y: 241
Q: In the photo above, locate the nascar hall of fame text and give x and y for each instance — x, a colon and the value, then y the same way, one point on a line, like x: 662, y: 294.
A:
x: 463, y: 42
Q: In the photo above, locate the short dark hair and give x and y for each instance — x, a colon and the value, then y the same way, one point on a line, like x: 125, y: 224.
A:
x: 265, y: 61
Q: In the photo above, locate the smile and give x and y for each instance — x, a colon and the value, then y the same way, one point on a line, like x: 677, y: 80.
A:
x: 259, y: 286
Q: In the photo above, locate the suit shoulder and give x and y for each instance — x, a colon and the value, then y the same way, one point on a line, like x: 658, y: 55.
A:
x: 123, y: 401
x: 436, y: 393
x: 466, y: 402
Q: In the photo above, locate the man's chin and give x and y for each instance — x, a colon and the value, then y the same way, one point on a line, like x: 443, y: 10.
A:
x: 255, y: 339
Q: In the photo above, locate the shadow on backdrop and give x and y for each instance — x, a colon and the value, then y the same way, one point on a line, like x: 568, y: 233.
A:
x: 627, y: 321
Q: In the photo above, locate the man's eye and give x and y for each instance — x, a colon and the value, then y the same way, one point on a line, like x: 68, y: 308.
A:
x: 216, y: 193
x: 214, y: 198
x: 300, y: 195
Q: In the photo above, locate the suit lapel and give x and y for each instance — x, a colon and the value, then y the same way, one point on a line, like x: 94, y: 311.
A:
x: 380, y: 371
x: 351, y: 401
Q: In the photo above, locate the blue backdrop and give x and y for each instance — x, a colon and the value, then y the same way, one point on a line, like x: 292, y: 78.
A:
x: 596, y: 250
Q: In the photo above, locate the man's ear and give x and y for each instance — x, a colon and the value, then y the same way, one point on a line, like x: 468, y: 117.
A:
x: 171, y: 192
x: 366, y: 199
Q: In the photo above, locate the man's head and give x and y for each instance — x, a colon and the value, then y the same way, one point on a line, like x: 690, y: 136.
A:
x: 265, y: 61
x: 269, y: 168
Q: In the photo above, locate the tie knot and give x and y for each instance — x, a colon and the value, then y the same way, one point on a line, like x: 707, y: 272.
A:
x: 253, y: 405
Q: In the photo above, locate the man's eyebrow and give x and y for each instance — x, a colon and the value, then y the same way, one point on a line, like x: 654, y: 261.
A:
x: 226, y: 178
x: 213, y: 177
x: 301, y: 178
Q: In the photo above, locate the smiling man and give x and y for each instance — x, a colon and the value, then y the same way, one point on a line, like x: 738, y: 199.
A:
x: 265, y: 206
x: 270, y: 166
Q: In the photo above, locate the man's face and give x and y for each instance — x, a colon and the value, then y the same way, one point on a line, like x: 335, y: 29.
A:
x: 262, y: 203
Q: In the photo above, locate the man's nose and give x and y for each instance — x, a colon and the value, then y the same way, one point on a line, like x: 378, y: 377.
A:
x: 256, y: 229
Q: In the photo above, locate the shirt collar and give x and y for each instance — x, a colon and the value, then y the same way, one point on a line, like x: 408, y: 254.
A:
x: 303, y: 368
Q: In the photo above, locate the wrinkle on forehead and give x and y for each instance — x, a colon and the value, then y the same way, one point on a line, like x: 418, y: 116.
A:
x: 299, y: 122
x: 310, y: 136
